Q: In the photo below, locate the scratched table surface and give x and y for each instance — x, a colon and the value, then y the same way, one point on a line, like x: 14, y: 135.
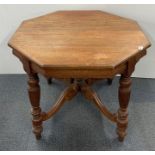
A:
x: 79, y: 39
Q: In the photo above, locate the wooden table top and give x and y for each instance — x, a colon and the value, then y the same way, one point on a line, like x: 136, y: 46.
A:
x: 79, y: 39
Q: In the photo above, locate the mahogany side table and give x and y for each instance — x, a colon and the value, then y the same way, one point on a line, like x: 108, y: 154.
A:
x: 82, y: 47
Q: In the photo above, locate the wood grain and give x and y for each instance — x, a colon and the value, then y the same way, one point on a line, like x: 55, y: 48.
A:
x: 79, y: 39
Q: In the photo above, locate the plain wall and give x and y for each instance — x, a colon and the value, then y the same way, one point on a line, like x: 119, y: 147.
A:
x: 12, y: 15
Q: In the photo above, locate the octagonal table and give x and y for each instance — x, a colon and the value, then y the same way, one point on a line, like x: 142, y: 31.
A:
x: 81, y: 47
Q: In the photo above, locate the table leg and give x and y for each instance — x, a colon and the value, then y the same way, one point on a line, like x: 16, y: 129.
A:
x: 109, y: 81
x: 124, y: 96
x: 34, y: 96
x: 49, y: 80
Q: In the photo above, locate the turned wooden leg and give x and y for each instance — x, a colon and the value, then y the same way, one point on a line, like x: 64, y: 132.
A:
x: 34, y: 95
x: 109, y: 81
x: 49, y: 80
x: 72, y: 80
x: 124, y: 96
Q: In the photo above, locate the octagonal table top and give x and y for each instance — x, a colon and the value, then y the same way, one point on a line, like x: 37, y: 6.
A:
x: 79, y: 39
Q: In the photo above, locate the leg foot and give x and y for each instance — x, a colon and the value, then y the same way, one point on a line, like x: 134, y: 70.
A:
x: 124, y: 96
x: 121, y: 138
x: 38, y: 137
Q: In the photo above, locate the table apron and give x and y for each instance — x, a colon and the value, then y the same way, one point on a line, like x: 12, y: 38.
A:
x: 79, y: 73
